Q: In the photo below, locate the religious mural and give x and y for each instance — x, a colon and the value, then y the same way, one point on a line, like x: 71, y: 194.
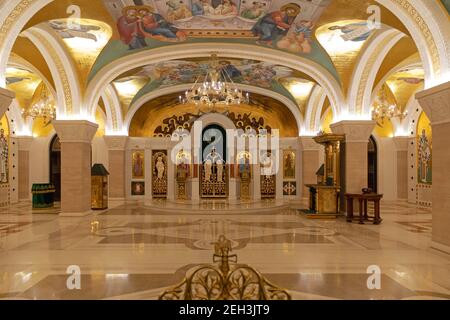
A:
x: 279, y: 24
x: 4, y: 151
x: 424, y: 150
x: 244, y: 160
x: 138, y: 164
x: 356, y: 31
x: 183, y: 169
x: 67, y: 30
x: 249, y: 72
x: 245, y: 121
x: 268, y: 174
x: 138, y: 188
x: 288, y: 164
x: 159, y: 173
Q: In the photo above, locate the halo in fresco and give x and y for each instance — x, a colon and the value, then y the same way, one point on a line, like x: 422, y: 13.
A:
x: 286, y: 25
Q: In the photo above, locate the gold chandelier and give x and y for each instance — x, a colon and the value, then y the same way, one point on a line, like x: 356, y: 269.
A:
x: 384, y: 109
x: 217, y: 88
x: 42, y: 105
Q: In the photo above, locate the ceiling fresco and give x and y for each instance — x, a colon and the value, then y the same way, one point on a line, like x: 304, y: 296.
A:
x: 404, y: 83
x: 84, y: 39
x: 286, y: 25
x: 159, y: 111
x: 265, y: 75
x: 24, y: 83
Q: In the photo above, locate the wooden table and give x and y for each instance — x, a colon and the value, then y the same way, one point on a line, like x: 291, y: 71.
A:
x: 363, y: 199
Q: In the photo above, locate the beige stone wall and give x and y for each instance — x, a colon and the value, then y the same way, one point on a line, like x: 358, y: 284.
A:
x: 24, y: 175
x: 117, y: 173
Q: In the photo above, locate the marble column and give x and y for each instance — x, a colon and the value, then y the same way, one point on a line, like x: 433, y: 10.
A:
x: 116, y: 166
x: 6, y: 97
x: 357, y: 134
x: 401, y: 157
x: 24, y: 186
x: 76, y: 139
x: 436, y: 104
x: 311, y: 162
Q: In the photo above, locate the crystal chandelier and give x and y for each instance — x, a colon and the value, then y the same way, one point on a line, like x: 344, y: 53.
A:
x: 217, y: 88
x: 42, y: 106
x: 382, y: 109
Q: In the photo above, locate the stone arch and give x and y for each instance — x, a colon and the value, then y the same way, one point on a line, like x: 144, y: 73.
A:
x: 314, y: 70
x: 152, y: 95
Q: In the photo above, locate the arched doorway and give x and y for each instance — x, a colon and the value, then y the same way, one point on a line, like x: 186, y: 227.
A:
x: 55, y: 166
x: 214, y: 172
x: 372, y: 166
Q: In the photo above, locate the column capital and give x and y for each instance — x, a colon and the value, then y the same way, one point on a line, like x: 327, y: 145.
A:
x: 75, y: 130
x: 116, y: 142
x: 308, y: 143
x: 24, y: 142
x: 401, y: 143
x: 436, y: 103
x: 6, y: 97
x: 354, y: 130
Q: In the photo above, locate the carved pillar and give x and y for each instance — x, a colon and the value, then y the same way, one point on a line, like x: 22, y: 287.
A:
x: 116, y: 167
x: 24, y: 186
x: 357, y: 134
x: 401, y: 144
x: 6, y: 97
x: 436, y: 104
x: 311, y: 162
x: 76, y: 138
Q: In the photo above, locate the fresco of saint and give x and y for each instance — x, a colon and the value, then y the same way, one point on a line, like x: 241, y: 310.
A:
x: 226, y: 8
x: 129, y: 28
x: 177, y: 10
x: 155, y: 26
x: 424, y: 150
x: 355, y: 32
x: 255, y: 11
x: 138, y: 165
x: 275, y: 24
x: 289, y: 165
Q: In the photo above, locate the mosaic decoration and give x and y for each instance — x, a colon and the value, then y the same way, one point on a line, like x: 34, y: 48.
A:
x: 159, y: 173
x: 279, y: 24
x: 424, y: 150
x: 137, y: 188
x: 138, y: 164
x: 288, y: 164
x: 289, y: 188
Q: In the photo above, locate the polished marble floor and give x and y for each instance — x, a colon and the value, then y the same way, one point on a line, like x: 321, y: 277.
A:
x: 135, y: 252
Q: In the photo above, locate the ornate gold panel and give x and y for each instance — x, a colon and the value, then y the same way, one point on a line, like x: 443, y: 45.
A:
x: 159, y: 173
x: 213, y: 181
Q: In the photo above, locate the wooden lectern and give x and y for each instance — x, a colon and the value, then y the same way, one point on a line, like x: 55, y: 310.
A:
x: 324, y: 196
